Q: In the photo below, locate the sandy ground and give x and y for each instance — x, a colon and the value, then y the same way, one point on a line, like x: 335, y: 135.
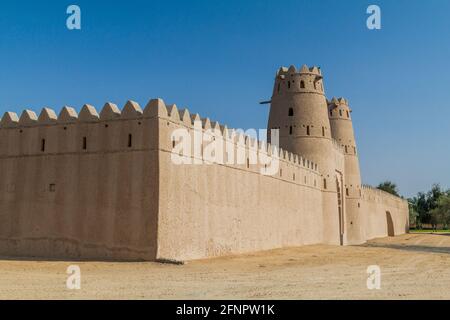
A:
x: 413, y: 266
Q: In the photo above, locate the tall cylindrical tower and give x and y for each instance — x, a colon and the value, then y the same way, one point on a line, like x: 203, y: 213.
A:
x: 299, y: 110
x: 342, y: 131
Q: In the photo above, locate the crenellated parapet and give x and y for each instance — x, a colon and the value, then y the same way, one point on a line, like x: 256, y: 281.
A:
x: 88, y: 113
x: 303, y: 80
x: 373, y: 194
x: 338, y: 108
x: 131, y: 128
x: 244, y: 147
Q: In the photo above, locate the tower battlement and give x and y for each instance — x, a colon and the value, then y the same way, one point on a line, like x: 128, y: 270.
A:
x: 337, y: 101
x: 339, y: 108
x: 293, y: 80
x: 314, y: 70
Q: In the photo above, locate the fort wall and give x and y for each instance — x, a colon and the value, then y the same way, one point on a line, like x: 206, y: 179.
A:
x: 385, y: 214
x: 79, y: 186
x: 220, y: 209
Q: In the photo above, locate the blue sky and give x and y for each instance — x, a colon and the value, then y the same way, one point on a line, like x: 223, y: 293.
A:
x: 218, y: 58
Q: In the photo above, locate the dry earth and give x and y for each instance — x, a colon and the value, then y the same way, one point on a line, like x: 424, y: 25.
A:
x: 413, y: 266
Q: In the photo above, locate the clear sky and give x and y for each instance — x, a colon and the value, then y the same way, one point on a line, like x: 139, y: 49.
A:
x: 219, y: 57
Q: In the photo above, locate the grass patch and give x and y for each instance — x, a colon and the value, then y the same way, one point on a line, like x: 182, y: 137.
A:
x: 428, y: 231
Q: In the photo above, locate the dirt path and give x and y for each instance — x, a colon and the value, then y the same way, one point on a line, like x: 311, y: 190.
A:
x: 413, y: 266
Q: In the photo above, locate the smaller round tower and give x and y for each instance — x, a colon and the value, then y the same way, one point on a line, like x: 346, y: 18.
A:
x: 339, y: 113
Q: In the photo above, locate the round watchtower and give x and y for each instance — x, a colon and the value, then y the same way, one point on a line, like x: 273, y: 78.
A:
x: 299, y: 110
x: 342, y: 131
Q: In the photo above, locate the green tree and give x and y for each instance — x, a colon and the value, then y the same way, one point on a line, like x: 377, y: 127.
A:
x: 413, y: 214
x: 389, y: 187
x: 441, y: 213
x: 421, y: 206
x: 433, y: 198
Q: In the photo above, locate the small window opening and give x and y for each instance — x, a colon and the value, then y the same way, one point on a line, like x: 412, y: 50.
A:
x: 325, y: 184
x: 346, y: 191
x: 290, y: 130
x: 302, y: 84
x: 52, y: 187
x: 348, y: 115
x: 43, y: 145
x: 289, y: 84
x: 307, y: 130
x: 291, y: 112
x: 323, y: 131
x: 340, y: 113
x: 130, y: 140
x: 84, y: 143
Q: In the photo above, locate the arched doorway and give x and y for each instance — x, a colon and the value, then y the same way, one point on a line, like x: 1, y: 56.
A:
x: 390, y: 224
